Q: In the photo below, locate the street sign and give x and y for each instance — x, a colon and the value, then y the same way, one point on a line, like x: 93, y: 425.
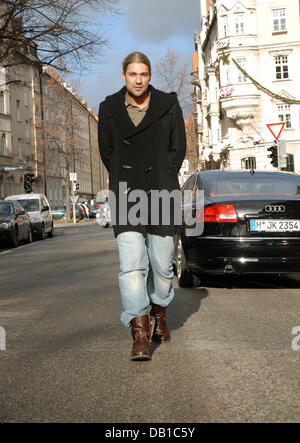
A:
x: 185, y: 166
x: 74, y: 198
x: 13, y: 168
x: 276, y: 129
x: 73, y: 176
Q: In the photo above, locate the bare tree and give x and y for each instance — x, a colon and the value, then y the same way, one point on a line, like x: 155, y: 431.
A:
x: 172, y: 75
x: 52, y: 28
x: 64, y: 131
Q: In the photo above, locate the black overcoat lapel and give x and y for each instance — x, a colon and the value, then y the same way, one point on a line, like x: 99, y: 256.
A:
x: 160, y: 103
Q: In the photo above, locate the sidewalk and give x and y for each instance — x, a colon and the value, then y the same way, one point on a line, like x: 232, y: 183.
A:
x: 63, y: 224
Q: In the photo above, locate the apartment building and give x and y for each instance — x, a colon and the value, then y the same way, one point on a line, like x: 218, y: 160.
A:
x: 20, y: 111
x: 248, y: 77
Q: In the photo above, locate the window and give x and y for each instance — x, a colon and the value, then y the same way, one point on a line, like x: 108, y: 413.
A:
x: 2, y: 107
x: 224, y: 25
x: 281, y: 66
x: 284, y: 115
x: 248, y: 163
x: 279, y: 20
x: 27, y: 129
x: 19, y: 147
x: 3, y: 144
x: 239, y: 24
x: 242, y: 78
x: 290, y: 164
x: 18, y: 111
x: 25, y: 96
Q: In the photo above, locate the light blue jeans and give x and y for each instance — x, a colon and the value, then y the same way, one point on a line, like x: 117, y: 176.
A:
x: 146, y: 272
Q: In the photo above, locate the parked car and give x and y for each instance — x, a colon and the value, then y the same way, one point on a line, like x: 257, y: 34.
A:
x: 78, y: 210
x: 85, y: 210
x: 92, y: 210
x: 251, y: 225
x: 103, y: 216
x: 15, y: 224
x: 58, y: 212
x: 38, y: 209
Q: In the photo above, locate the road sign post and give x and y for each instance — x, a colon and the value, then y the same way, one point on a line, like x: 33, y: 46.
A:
x: 74, y: 198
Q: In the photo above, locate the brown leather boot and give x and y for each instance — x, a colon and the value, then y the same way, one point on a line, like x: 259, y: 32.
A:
x: 140, y: 330
x: 161, y: 331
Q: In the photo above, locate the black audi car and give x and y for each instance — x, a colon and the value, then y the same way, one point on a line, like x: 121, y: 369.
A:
x: 15, y: 223
x: 250, y: 224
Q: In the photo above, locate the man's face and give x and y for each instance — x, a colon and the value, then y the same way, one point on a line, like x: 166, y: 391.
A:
x: 137, y: 78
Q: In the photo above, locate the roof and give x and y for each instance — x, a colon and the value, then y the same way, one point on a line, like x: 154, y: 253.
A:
x: 244, y: 172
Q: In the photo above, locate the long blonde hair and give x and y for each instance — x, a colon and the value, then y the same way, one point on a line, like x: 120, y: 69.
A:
x: 136, y: 57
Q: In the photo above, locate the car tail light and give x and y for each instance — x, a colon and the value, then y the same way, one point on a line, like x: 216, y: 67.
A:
x: 220, y: 214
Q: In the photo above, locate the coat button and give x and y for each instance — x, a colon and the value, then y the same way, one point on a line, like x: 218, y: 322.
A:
x: 127, y: 167
x: 149, y: 168
x: 126, y: 142
x: 149, y: 191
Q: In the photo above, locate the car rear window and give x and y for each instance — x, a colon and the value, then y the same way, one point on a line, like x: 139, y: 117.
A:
x: 6, y: 209
x: 234, y: 186
x: 30, y: 204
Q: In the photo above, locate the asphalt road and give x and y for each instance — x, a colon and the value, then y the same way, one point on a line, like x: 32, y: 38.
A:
x: 67, y: 355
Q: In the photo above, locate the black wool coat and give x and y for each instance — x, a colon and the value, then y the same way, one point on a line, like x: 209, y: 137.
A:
x: 147, y: 157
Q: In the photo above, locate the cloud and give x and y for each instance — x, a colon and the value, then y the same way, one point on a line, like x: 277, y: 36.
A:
x: 157, y: 20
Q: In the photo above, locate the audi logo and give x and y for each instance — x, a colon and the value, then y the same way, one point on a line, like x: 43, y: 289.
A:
x: 275, y: 208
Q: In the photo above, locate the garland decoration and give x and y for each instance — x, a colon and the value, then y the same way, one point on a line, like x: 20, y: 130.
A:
x: 225, y: 59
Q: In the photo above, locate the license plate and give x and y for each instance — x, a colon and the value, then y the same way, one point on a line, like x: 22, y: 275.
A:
x: 274, y: 225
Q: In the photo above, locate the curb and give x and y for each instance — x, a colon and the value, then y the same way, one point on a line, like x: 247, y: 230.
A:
x: 83, y: 223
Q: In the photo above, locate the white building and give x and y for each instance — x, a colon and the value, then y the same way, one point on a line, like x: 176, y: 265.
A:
x: 20, y: 112
x: 263, y: 38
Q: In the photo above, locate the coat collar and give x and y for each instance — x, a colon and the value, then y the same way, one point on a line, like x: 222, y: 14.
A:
x: 160, y: 103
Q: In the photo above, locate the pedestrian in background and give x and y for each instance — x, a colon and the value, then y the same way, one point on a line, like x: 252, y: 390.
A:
x: 142, y: 142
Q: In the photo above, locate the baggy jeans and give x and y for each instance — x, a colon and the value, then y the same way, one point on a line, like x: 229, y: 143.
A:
x: 146, y: 272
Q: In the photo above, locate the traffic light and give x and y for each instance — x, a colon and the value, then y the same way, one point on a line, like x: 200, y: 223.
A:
x: 274, y: 155
x: 75, y: 187
x: 28, y: 180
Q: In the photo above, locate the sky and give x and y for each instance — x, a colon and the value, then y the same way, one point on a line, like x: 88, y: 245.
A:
x: 149, y: 26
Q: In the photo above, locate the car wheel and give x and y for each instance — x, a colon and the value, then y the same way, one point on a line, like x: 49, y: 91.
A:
x: 42, y: 233
x: 14, y: 238
x: 29, y: 238
x: 185, y: 278
x: 51, y: 233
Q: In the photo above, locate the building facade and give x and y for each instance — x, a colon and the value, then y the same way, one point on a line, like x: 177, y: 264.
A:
x: 70, y: 141
x: 20, y: 111
x: 249, y: 76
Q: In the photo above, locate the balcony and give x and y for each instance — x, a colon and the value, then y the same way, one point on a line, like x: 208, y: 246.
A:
x: 240, y: 102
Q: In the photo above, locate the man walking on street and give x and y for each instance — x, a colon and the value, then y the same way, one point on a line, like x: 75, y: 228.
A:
x: 142, y: 143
